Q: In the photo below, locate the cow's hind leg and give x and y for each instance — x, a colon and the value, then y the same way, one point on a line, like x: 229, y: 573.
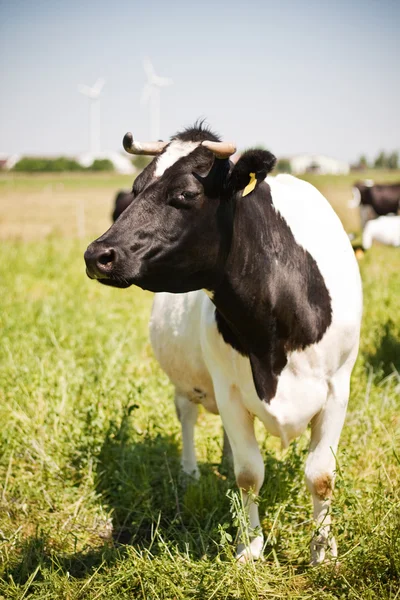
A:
x: 187, y: 412
x: 326, y: 428
x: 227, y: 458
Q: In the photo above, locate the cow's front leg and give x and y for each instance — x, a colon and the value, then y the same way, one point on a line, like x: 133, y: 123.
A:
x: 187, y: 412
x: 248, y: 465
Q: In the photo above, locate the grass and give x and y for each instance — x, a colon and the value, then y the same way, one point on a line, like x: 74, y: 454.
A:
x: 92, y: 502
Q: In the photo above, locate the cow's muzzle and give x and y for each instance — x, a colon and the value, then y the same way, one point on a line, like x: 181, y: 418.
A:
x: 100, y: 260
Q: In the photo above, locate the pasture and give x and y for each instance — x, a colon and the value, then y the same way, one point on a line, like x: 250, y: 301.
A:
x: 92, y: 501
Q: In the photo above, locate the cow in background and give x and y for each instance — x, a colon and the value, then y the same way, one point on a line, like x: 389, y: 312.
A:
x: 385, y: 230
x: 122, y: 201
x: 375, y: 200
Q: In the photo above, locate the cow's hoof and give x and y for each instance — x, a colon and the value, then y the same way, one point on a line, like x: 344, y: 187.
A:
x: 323, y: 550
x: 191, y: 472
x: 253, y: 551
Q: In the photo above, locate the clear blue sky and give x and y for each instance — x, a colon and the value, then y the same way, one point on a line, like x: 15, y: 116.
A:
x: 312, y: 76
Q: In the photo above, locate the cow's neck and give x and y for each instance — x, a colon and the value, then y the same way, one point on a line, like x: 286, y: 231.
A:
x: 272, y: 298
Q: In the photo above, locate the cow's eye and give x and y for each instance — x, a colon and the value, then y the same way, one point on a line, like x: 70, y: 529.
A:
x: 184, y: 198
x: 188, y: 195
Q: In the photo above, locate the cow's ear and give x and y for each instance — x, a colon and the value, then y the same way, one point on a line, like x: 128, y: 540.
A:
x: 251, y: 169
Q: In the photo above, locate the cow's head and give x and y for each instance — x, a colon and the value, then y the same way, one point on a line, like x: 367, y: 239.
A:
x: 175, y: 235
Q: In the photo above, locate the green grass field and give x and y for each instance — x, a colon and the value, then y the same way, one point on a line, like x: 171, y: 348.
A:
x: 92, y: 502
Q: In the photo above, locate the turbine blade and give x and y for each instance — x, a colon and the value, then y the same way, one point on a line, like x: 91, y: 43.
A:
x: 85, y: 90
x: 162, y: 81
x: 98, y: 86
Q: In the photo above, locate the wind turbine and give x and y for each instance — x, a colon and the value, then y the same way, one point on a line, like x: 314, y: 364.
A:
x: 151, y: 96
x: 93, y: 93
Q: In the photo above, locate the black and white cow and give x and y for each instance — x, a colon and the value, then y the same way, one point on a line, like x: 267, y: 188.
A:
x: 375, y: 200
x: 258, y: 304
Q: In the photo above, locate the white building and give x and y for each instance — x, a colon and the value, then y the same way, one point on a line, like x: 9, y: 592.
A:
x: 317, y: 163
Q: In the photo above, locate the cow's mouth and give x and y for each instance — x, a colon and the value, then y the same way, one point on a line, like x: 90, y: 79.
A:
x: 118, y: 283
x: 115, y: 283
x: 89, y: 274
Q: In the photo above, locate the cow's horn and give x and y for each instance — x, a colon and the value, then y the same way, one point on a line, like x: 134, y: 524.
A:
x: 149, y: 148
x: 220, y: 149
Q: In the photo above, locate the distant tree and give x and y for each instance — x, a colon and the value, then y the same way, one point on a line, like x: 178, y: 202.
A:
x: 37, y: 164
x: 101, y: 164
x: 392, y: 160
x: 63, y: 164
x: 28, y: 164
x: 363, y: 162
x: 283, y: 166
x: 380, y: 161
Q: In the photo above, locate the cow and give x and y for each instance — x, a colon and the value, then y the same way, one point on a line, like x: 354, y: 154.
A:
x: 385, y: 230
x: 122, y: 201
x: 254, y: 314
x: 375, y: 200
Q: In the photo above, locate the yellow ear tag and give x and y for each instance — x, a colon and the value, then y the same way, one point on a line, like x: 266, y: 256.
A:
x: 251, y: 185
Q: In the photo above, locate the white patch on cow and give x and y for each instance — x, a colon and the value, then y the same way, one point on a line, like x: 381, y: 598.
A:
x: 369, y: 182
x: 176, y: 150
x: 356, y: 199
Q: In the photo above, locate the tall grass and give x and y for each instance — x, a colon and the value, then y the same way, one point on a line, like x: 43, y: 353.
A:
x: 92, y: 501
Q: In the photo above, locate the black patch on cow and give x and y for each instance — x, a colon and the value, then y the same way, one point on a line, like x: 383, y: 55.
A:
x: 228, y: 334
x: 273, y: 299
x: 144, y: 178
x: 377, y: 200
x: 384, y: 199
x: 214, y: 179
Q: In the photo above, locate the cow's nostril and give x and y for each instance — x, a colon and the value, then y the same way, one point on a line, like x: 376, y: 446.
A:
x: 107, y: 257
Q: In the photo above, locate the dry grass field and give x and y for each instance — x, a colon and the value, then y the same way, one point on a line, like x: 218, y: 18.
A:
x: 59, y: 205
x: 92, y: 501
x: 36, y: 206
